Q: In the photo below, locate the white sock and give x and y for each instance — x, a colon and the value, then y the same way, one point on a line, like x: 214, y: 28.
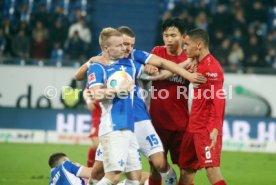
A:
x: 169, y: 177
x: 132, y: 182
x: 105, y: 181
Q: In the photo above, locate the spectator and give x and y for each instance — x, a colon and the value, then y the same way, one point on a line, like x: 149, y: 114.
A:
x: 201, y: 21
x: 41, y: 30
x: 21, y: 45
x: 39, y: 46
x: 82, y: 29
x: 58, y: 33
x: 8, y: 33
x: 235, y: 57
x: 222, y: 52
x: 75, y: 47
x: 57, y: 55
x: 270, y: 58
x: 2, y: 43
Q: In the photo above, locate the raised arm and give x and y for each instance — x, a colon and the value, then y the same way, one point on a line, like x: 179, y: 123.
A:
x: 174, y: 68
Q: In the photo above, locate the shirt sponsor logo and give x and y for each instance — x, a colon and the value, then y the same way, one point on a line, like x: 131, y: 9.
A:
x: 213, y: 75
x: 91, y: 78
x: 177, y: 79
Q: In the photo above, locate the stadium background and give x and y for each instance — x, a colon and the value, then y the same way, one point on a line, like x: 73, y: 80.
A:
x: 39, y: 55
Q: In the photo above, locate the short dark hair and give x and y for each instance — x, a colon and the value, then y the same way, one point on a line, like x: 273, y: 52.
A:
x: 174, y: 22
x: 54, y: 159
x: 199, y: 34
x: 126, y: 31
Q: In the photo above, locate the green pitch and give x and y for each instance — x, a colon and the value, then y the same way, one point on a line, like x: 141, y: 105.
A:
x: 26, y: 164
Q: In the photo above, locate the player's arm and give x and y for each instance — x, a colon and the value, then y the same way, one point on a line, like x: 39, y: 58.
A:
x: 77, y: 170
x: 80, y: 74
x: 96, y: 81
x: 85, y: 172
x: 90, y: 102
x: 217, y: 107
x: 171, y: 66
x: 165, y: 74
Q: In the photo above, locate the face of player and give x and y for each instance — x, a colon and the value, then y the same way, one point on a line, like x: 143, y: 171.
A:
x: 129, y: 44
x: 116, y: 48
x: 192, y: 47
x: 173, y: 39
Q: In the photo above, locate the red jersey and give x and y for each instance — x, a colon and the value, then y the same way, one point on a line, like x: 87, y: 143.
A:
x: 208, y: 103
x: 170, y: 112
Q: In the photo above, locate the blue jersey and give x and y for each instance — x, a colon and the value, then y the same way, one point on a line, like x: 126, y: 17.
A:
x: 139, y: 58
x: 66, y: 174
x: 117, y: 113
x: 116, y: 120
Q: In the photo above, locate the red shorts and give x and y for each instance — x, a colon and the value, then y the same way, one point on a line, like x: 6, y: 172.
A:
x: 193, y: 152
x: 171, y: 141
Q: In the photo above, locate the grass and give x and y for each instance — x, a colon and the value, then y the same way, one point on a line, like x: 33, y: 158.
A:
x: 26, y: 164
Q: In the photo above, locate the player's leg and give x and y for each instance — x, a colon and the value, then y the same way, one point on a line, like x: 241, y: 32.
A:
x: 187, y: 176
x: 214, y: 176
x: 92, y: 151
x: 114, y: 155
x: 133, y: 163
x: 98, y: 169
x: 157, y: 166
x: 210, y: 159
x: 188, y: 161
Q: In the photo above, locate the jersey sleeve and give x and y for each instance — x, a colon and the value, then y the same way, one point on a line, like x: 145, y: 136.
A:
x: 72, y: 168
x: 95, y: 75
x: 154, y: 51
x: 140, y: 56
x: 217, y: 105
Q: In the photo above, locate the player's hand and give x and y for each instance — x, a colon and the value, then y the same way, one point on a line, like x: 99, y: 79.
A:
x: 213, y: 137
x: 150, y: 69
x: 191, y: 66
x: 99, y: 59
x: 197, y: 78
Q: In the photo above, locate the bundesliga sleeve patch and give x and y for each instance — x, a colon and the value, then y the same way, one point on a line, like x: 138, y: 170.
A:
x: 91, y: 78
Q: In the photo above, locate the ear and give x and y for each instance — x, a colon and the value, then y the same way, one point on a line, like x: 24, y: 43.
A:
x: 105, y: 48
x: 199, y: 45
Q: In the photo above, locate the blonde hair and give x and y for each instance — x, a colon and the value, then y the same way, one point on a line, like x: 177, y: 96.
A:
x: 106, y: 33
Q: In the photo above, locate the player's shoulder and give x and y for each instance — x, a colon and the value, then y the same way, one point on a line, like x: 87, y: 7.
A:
x: 158, y: 49
x: 96, y: 66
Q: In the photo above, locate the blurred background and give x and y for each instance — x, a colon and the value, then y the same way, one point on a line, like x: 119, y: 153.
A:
x: 43, y: 42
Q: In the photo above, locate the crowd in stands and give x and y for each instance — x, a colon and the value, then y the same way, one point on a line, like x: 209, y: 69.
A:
x: 243, y: 33
x: 45, y: 30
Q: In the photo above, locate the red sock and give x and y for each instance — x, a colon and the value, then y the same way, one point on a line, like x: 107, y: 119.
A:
x: 221, y: 182
x: 179, y: 183
x: 154, y: 181
x: 91, y: 157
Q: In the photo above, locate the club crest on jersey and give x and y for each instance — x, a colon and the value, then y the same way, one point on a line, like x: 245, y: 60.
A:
x: 91, y: 78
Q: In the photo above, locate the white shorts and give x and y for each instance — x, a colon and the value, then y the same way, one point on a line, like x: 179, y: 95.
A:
x: 148, y: 139
x: 120, y: 151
